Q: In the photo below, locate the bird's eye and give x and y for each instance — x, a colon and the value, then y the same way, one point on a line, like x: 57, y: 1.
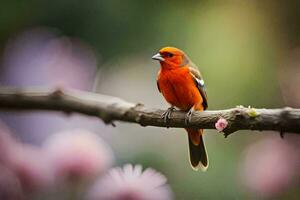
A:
x: 170, y: 55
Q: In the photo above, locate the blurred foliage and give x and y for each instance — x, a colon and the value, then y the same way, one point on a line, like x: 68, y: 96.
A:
x: 238, y: 45
x: 115, y: 27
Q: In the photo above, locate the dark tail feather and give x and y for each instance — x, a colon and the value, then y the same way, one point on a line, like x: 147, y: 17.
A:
x: 198, y: 155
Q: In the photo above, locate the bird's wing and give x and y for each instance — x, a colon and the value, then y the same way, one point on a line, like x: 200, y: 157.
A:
x: 158, y: 86
x: 158, y: 75
x: 199, y: 82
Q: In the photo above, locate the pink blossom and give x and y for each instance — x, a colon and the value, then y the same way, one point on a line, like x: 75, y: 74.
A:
x: 32, y: 167
x: 78, y: 155
x: 271, y: 166
x: 221, y: 124
x: 51, y: 60
x: 27, y: 163
x: 131, y: 183
x: 10, y: 187
x: 7, y: 144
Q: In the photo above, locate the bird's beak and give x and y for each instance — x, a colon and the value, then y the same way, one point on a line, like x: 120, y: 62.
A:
x: 158, y: 57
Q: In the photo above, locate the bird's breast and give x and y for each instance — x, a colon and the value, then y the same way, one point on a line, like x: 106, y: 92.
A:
x: 179, y: 89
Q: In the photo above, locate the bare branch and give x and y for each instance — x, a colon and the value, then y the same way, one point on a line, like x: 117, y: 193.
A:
x: 111, y: 109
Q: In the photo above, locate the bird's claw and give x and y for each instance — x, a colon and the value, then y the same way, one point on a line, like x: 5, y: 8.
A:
x: 188, y: 116
x: 167, y: 114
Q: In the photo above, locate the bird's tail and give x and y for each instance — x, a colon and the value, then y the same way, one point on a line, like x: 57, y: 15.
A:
x: 198, y: 155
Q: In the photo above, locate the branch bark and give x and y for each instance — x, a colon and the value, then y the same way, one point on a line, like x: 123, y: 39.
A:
x: 111, y: 109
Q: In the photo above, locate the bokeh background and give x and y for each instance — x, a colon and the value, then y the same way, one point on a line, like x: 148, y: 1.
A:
x: 248, y: 52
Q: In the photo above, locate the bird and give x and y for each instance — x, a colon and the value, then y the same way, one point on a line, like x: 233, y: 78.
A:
x: 182, y: 86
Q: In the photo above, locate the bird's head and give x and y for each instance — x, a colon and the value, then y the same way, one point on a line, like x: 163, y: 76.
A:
x: 171, y: 57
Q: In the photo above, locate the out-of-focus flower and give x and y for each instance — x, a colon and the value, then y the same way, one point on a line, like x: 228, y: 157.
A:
x: 43, y: 57
x: 7, y: 144
x: 270, y: 167
x: 27, y: 163
x: 78, y: 155
x: 32, y: 167
x: 131, y: 183
x: 221, y: 124
x: 10, y: 187
x: 49, y: 60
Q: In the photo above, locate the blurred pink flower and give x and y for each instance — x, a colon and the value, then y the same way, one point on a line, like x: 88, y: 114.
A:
x: 10, y: 187
x: 78, y: 155
x: 49, y: 59
x: 131, y: 183
x: 7, y: 144
x: 32, y: 167
x: 270, y: 167
x: 43, y: 57
x: 27, y: 163
x: 221, y: 124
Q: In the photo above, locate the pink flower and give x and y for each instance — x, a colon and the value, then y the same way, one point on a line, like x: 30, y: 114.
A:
x: 51, y: 60
x: 7, y: 144
x: 131, y: 183
x: 10, y: 187
x: 27, y: 163
x: 221, y: 124
x: 32, y: 167
x: 78, y: 155
x: 271, y: 166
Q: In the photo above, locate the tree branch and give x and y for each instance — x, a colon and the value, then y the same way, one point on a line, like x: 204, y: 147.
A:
x: 111, y: 109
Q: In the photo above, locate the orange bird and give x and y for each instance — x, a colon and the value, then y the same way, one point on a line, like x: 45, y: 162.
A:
x: 181, y: 84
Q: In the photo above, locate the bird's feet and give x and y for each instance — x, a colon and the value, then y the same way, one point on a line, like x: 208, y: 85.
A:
x: 167, y: 114
x: 188, y: 116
